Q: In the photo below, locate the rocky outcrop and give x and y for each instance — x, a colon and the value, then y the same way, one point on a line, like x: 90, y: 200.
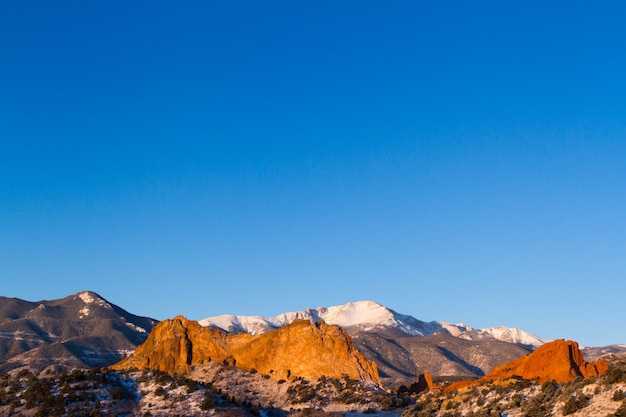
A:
x: 424, y: 383
x: 560, y: 360
x: 174, y: 345
x: 300, y: 349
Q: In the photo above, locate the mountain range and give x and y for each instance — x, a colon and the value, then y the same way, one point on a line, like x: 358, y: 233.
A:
x: 402, y: 346
x: 84, y: 330
x: 369, y: 316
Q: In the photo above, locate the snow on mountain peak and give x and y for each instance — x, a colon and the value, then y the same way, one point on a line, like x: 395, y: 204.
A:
x: 92, y: 298
x: 358, y: 313
x: 367, y: 316
x: 513, y: 335
x: 86, y: 297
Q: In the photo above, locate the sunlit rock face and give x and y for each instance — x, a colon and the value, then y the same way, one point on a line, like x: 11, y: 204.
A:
x: 300, y: 349
x: 560, y: 361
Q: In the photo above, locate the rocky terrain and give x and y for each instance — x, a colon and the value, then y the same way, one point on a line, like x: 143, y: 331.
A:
x: 601, y: 396
x: 79, y: 331
x: 214, y: 388
x: 300, y: 349
x: 558, y: 361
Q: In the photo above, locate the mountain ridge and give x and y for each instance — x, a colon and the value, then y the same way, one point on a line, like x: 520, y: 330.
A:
x: 81, y: 330
x: 84, y: 330
x: 369, y: 316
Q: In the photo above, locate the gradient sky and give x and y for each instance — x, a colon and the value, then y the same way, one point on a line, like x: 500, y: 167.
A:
x: 456, y: 161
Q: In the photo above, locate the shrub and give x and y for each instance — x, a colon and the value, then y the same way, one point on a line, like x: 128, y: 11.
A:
x: 208, y: 401
x: 534, y: 408
x: 618, y: 395
x: 516, y: 399
x: 159, y: 391
x: 119, y: 393
x: 548, y: 389
x: 574, y: 404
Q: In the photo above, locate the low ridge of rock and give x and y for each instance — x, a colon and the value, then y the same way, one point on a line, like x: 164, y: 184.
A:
x: 300, y: 349
x: 560, y: 360
x: 424, y: 383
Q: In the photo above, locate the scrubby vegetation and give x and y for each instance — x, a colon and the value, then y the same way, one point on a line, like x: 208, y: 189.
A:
x: 101, y: 392
x: 233, y: 392
x: 74, y: 394
x: 524, y: 398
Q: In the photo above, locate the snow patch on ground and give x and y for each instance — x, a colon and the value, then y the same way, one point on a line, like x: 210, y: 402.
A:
x: 86, y: 297
x: 136, y: 328
x: 83, y: 312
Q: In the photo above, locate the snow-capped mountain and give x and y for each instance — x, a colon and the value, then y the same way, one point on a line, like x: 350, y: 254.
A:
x: 506, y: 334
x: 361, y: 315
x: 369, y: 316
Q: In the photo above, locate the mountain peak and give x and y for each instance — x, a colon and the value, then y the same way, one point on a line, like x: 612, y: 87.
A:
x: 80, y: 330
x: 90, y: 297
x: 357, y: 313
x: 369, y: 316
x: 366, y: 315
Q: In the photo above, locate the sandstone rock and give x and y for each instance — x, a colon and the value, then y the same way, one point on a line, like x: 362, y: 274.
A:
x: 173, y: 345
x: 424, y: 383
x: 560, y: 360
x: 299, y: 349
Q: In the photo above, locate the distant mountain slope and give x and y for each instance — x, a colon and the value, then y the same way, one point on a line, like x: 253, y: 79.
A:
x: 440, y: 354
x: 594, y: 353
x: 368, y: 316
x: 78, y: 331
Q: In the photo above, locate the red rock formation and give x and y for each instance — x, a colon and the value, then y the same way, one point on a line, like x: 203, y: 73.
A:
x: 174, y: 345
x: 299, y: 349
x: 560, y: 360
x: 424, y: 383
x: 303, y: 349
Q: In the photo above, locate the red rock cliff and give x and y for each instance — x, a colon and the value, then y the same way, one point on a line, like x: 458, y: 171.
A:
x: 299, y: 349
x: 560, y: 360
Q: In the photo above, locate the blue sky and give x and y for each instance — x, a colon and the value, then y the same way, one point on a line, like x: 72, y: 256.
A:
x: 453, y: 161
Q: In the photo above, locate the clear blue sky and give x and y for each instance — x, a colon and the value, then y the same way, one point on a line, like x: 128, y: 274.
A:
x: 456, y: 161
